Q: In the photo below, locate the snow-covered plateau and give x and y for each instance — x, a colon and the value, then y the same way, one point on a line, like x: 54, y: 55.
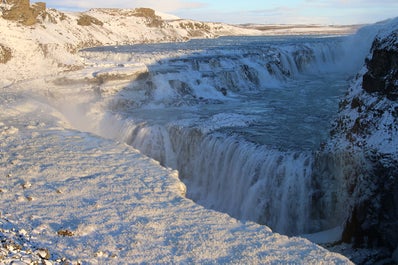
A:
x: 132, y: 136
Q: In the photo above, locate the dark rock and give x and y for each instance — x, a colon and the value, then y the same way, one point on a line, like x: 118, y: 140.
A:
x: 181, y: 87
x: 382, y: 72
x: 374, y: 221
x: 395, y: 255
x: 356, y: 103
x: 224, y: 91
x: 250, y: 74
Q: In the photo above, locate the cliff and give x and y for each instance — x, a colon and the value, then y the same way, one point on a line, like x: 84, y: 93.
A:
x: 367, y: 128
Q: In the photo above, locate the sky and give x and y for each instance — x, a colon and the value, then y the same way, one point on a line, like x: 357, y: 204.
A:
x: 332, y: 12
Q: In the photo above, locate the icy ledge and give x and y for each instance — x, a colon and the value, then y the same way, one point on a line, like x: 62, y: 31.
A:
x: 72, y: 196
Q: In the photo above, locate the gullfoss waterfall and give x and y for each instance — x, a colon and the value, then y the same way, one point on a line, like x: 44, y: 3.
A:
x: 240, y: 118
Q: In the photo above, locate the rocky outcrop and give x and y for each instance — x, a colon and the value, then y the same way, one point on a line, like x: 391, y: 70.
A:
x: 382, y: 72
x: 368, y: 125
x: 152, y: 20
x: 5, y: 54
x: 373, y: 221
x: 22, y: 12
x: 86, y: 20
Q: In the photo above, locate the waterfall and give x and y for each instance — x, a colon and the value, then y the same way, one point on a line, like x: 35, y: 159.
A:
x: 187, y: 76
x: 289, y: 190
x: 292, y: 192
x: 245, y: 180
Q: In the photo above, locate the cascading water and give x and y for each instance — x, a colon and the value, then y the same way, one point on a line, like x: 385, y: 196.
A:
x: 247, y: 181
x: 240, y: 118
x: 228, y: 174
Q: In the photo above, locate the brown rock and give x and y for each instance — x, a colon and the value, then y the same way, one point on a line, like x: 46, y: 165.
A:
x: 22, y: 12
x: 5, y: 54
x: 86, y: 20
x: 382, y: 72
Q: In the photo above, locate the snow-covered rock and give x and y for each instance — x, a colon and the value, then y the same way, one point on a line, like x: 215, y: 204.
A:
x: 367, y: 132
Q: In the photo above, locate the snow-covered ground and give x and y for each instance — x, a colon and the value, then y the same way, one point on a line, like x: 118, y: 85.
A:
x: 72, y: 196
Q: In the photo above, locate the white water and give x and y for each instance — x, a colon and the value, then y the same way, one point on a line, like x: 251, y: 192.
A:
x: 240, y: 118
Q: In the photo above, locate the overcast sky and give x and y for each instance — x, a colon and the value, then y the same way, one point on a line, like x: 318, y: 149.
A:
x: 255, y: 11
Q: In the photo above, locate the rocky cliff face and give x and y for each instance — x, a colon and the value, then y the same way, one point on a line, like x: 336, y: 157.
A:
x: 368, y: 125
x: 382, y: 74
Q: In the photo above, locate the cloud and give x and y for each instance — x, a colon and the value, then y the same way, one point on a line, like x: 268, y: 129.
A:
x: 164, y: 6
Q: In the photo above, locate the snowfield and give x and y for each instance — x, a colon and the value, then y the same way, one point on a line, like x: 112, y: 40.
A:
x: 73, y: 197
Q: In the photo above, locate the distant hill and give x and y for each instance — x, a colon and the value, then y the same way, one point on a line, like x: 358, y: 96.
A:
x: 36, y: 40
